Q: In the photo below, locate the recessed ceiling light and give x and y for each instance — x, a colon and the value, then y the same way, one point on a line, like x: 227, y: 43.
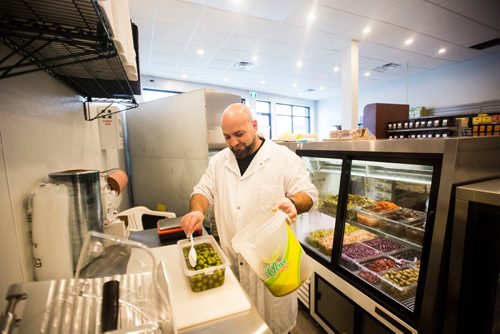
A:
x: 294, y: 84
x: 442, y: 50
x: 184, y: 76
x: 336, y: 69
x: 321, y: 88
x: 299, y: 63
x: 367, y: 74
x: 200, y: 51
x: 409, y: 41
x: 367, y: 30
x: 226, y: 79
x: 255, y: 58
x: 263, y: 82
x: 311, y: 16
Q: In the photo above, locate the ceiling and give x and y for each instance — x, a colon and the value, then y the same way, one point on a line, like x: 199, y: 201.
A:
x: 298, y: 43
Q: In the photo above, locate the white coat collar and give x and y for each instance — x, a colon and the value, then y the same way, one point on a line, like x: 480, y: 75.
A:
x: 256, y: 164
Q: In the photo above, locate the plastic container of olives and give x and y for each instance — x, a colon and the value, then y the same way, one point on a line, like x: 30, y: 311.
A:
x: 400, y: 283
x: 210, y: 270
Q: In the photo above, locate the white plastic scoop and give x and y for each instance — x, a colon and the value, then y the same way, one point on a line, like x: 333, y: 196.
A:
x: 192, y: 253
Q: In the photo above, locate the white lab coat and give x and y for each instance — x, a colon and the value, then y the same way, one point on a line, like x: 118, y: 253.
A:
x: 275, y: 172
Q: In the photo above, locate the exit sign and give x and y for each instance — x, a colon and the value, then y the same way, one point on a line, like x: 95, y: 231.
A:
x: 253, y: 94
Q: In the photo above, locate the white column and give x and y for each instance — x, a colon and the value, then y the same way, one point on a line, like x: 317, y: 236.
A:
x: 349, y: 77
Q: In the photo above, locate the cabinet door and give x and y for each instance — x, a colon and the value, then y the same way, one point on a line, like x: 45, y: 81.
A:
x: 369, y: 325
x: 336, y: 310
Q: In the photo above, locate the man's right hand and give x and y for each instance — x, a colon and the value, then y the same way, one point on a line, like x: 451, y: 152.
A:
x: 192, y: 221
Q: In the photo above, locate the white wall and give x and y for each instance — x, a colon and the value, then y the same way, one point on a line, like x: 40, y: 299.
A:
x: 42, y: 130
x: 184, y: 86
x: 468, y: 82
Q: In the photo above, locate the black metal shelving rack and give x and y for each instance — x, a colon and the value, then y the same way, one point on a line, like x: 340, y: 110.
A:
x: 70, y: 40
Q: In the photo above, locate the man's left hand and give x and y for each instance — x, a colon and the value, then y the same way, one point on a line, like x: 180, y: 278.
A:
x: 287, y: 207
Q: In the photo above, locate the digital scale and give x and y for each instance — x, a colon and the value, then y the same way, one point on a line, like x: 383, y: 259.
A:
x: 170, y: 228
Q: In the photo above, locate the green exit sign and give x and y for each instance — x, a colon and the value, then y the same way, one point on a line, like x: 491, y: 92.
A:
x: 253, y: 94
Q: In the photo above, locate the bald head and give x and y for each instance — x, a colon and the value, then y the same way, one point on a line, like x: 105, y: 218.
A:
x: 236, y: 111
x: 240, y: 130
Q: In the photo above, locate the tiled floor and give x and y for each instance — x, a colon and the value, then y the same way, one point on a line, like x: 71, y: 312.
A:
x: 305, y: 323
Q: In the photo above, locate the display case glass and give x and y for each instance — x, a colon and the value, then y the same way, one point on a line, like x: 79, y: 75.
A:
x: 371, y: 221
x: 388, y: 219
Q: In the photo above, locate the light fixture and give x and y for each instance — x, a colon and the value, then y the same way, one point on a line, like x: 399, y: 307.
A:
x: 367, y: 30
x: 442, y: 50
x: 200, y: 51
x: 263, y: 82
x: 255, y: 58
x: 336, y: 69
x: 409, y: 41
x: 184, y: 76
x: 321, y: 88
x: 311, y: 16
x: 226, y: 79
x: 367, y: 74
x: 294, y: 84
x: 299, y: 63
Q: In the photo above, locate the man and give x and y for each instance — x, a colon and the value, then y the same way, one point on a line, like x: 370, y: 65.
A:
x: 243, y: 181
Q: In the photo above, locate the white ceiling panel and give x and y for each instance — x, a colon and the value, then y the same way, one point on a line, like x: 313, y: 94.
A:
x: 170, y: 32
x: 255, y: 27
x: 486, y: 12
x: 404, y: 11
x: 192, y: 53
x: 269, y: 46
x: 274, y: 10
x: 219, y: 20
x: 318, y: 54
x: 324, y: 40
x: 178, y: 12
x: 369, y: 8
x: 220, y: 64
x: 208, y: 38
x: 234, y: 55
x: 238, y: 42
x: 164, y: 58
x: 143, y: 9
x: 145, y: 28
x: 279, y: 33
x: 169, y: 47
x: 337, y: 22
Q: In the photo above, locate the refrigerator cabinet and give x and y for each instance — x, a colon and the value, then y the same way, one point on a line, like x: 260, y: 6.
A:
x: 168, y: 146
x: 409, y: 240
x: 473, y: 296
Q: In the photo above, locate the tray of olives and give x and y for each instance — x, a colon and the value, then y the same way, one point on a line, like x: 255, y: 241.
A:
x: 211, y: 264
x: 400, y: 283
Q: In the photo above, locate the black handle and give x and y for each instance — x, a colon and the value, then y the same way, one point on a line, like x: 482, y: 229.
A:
x: 110, y: 305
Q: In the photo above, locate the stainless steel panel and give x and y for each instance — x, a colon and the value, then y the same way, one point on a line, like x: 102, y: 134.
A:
x: 168, y: 145
x: 487, y: 192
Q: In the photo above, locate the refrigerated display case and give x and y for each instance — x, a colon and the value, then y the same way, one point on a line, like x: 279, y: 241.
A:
x: 381, y: 233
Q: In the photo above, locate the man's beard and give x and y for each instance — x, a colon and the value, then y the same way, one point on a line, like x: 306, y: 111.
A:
x: 245, y: 152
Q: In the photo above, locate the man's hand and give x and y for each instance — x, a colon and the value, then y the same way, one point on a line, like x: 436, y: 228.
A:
x: 287, y: 207
x: 192, y: 221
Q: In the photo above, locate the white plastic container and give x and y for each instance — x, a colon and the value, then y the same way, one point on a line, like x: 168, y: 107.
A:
x: 274, y: 253
x: 202, y: 279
